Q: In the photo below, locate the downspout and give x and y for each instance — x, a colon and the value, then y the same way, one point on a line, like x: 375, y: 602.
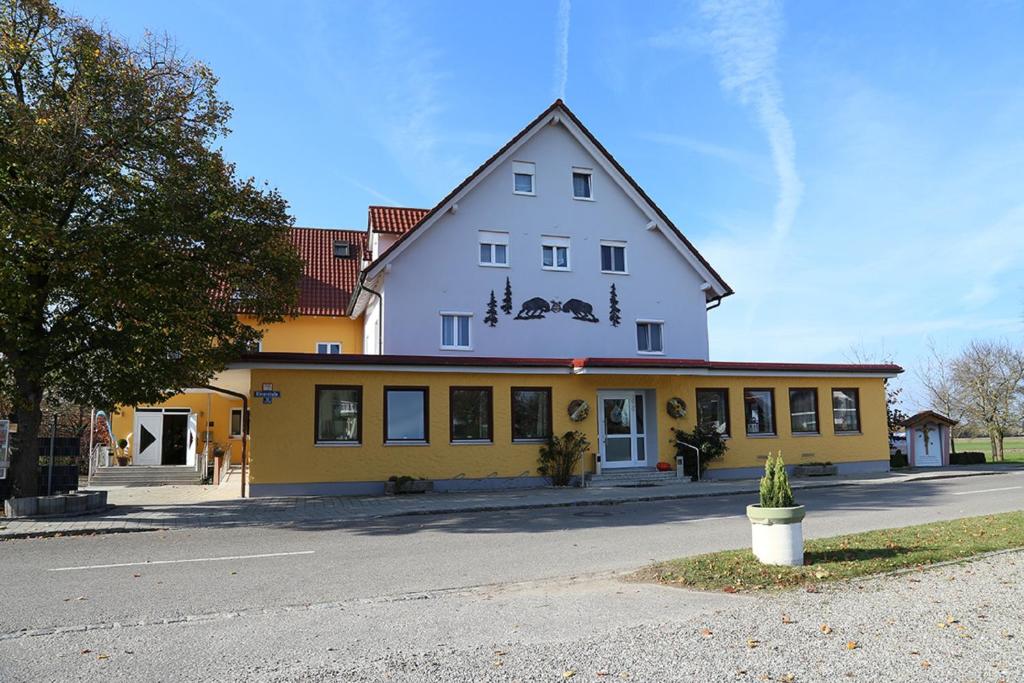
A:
x: 245, y: 424
x: 380, y: 319
x: 715, y: 303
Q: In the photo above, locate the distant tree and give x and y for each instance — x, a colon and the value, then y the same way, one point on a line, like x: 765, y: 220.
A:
x: 506, y: 301
x: 613, y: 310
x: 894, y: 415
x: 936, y: 376
x: 129, y: 245
x: 989, y: 381
x: 492, y: 311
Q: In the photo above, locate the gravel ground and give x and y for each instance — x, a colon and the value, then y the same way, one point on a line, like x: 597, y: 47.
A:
x: 961, y: 622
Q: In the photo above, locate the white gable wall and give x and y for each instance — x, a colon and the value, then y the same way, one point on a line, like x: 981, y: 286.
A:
x: 439, y: 271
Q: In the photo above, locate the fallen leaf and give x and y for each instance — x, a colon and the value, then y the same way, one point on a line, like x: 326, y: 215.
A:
x: 951, y: 620
x: 602, y: 672
x: 706, y: 632
x: 135, y: 576
x: 728, y: 589
x: 786, y: 619
x: 787, y: 678
x: 925, y: 664
x: 86, y: 651
x: 852, y: 645
x: 568, y: 674
x: 751, y: 643
x: 826, y: 629
x: 500, y: 653
x: 103, y: 657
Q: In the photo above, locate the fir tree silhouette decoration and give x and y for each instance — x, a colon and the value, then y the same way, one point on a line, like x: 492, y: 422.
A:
x: 506, y: 301
x: 492, y: 311
x: 613, y: 310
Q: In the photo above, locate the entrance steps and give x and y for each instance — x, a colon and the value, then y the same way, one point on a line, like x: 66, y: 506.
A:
x: 634, y: 478
x: 141, y: 475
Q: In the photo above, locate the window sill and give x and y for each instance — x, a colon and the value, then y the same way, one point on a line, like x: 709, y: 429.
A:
x: 762, y: 436
x: 528, y: 442
x: 494, y: 265
x: 524, y: 194
x: 651, y: 353
x: 471, y: 442
x: 583, y: 199
x: 798, y: 434
x: 857, y: 433
x: 556, y: 270
x: 337, y: 444
x: 456, y: 348
x: 615, y: 272
x: 406, y: 443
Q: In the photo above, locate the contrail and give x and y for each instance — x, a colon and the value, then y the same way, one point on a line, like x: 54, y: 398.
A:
x: 744, y: 40
x: 562, y: 49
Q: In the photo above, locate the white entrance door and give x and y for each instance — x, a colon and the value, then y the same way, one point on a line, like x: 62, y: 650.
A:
x: 927, y: 448
x: 148, y: 437
x: 621, y: 431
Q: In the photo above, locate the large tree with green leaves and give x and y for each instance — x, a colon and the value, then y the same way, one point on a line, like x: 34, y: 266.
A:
x: 129, y: 244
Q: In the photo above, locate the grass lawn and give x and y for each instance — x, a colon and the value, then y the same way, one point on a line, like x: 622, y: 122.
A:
x: 844, y: 557
x: 1013, y: 447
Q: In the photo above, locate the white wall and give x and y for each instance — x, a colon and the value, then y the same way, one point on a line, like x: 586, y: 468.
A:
x: 440, y: 270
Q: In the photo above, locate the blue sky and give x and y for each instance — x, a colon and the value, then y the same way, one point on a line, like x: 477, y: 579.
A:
x: 854, y: 170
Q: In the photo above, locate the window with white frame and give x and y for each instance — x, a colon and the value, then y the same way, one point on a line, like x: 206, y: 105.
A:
x: 554, y: 253
x: 493, y: 248
x: 613, y: 257
x: 328, y: 348
x: 455, y: 330
x: 582, y: 179
x: 649, y: 336
x: 522, y: 177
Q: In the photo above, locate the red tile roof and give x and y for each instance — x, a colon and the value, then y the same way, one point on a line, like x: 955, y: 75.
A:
x: 396, y: 220
x: 327, y: 282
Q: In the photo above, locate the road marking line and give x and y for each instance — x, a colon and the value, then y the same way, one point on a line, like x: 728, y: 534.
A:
x: 198, y: 559
x: 1005, y: 488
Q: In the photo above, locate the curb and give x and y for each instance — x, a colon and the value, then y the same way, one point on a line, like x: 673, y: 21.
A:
x: 25, y: 535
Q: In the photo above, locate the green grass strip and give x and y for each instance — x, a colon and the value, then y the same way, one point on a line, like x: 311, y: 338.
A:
x: 845, y: 557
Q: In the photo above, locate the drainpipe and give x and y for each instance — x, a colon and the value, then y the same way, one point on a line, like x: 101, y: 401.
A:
x: 245, y: 425
x: 380, y: 317
x: 716, y: 302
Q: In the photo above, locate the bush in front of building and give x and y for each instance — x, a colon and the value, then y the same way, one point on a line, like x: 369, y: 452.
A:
x: 967, y: 458
x: 560, y: 457
x: 898, y: 460
x: 707, y: 439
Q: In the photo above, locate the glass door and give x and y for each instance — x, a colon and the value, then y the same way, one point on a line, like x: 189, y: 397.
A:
x: 618, y: 429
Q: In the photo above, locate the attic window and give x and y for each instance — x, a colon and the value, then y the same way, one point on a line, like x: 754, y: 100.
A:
x: 342, y: 249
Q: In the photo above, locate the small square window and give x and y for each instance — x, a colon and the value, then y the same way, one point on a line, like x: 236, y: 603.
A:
x: 493, y: 248
x: 342, y: 249
x: 649, y: 336
x: 455, y: 331
x: 328, y: 348
x: 522, y: 177
x: 555, y: 253
x: 613, y: 257
x: 581, y: 184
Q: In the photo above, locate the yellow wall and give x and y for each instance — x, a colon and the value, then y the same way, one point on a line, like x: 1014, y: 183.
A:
x: 300, y: 334
x: 283, y: 449
x: 208, y: 407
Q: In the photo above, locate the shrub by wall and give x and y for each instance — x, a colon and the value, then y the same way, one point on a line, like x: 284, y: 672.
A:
x: 967, y: 458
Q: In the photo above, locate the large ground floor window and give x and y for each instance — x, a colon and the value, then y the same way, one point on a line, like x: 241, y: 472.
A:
x: 803, y: 411
x: 713, y: 409
x: 339, y: 413
x: 405, y: 415
x: 846, y: 410
x: 531, y: 413
x: 471, y: 414
x: 759, y: 409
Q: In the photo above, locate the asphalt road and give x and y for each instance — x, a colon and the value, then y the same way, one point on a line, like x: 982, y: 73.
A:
x: 417, y: 581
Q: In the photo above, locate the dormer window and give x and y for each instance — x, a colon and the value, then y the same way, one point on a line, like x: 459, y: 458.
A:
x: 581, y: 183
x: 522, y: 177
x: 342, y: 249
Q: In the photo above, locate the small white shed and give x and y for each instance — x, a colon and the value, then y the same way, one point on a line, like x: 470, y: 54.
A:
x: 928, y: 439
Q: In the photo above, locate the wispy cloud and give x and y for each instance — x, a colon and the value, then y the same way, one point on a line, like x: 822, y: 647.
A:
x: 753, y: 164
x: 562, y: 49
x: 744, y: 38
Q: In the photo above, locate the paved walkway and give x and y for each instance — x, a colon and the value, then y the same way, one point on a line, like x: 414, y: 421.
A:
x: 178, y: 507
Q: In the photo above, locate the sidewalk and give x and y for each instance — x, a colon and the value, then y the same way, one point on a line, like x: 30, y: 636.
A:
x: 195, y: 507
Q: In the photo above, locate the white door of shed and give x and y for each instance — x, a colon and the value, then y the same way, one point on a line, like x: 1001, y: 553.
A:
x: 927, y: 446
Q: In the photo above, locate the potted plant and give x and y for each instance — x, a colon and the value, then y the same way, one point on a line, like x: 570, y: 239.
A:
x: 122, y: 454
x: 776, y: 523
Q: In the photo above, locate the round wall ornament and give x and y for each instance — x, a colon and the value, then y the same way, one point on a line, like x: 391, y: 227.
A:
x: 579, y: 410
x: 676, y: 407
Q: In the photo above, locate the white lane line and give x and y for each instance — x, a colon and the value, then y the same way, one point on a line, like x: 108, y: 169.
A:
x: 197, y: 559
x: 1005, y: 488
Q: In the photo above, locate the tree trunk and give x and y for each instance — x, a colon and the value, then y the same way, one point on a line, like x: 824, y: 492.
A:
x: 24, y: 470
x: 997, y: 447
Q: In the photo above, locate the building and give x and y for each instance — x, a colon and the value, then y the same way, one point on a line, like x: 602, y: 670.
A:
x: 546, y: 293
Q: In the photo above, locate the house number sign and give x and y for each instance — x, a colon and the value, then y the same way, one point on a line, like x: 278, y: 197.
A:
x: 267, y: 393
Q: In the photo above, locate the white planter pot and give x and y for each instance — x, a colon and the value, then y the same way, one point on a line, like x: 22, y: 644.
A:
x: 777, y: 534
